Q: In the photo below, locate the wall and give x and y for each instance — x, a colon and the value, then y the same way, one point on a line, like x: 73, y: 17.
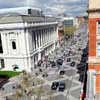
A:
x: 11, y: 56
x: 94, y: 60
x: 94, y: 4
x: 24, y: 54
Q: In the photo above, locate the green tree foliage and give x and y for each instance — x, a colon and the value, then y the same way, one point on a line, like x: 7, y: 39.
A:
x: 9, y: 73
x: 69, y: 30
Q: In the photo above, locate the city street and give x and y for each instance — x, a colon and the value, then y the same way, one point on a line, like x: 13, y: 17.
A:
x: 71, y: 78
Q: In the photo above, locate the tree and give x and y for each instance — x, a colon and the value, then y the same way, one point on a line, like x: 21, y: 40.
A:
x: 19, y: 94
x: 69, y: 30
x: 26, y: 89
x: 38, y: 92
x: 23, y: 86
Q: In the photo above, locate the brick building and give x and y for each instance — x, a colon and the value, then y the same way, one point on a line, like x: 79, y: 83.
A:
x: 93, y: 84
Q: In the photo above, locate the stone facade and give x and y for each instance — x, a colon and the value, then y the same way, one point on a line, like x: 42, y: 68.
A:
x: 25, y: 40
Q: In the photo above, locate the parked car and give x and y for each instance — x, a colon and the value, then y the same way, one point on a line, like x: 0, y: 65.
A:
x: 62, y: 72
x: 72, y: 64
x: 85, y: 50
x: 54, y: 85
x: 59, y: 61
x: 61, y: 86
x: 79, y: 66
x: 85, y: 54
x: 53, y: 64
x: 81, y: 69
x: 83, y: 60
x: 81, y: 78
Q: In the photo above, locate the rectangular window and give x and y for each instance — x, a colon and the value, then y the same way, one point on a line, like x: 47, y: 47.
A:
x: 98, y: 49
x: 2, y: 63
x: 99, y: 27
x: 29, y: 11
x: 34, y: 38
x: 1, y: 49
x: 14, y: 45
x: 91, y: 83
x: 37, y: 36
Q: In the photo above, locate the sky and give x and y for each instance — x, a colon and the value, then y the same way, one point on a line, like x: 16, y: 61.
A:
x: 50, y: 7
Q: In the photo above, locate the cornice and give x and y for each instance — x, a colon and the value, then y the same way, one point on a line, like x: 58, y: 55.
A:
x: 93, y: 10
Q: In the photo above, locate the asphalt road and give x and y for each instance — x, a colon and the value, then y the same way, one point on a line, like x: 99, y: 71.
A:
x: 73, y: 86
x: 71, y: 77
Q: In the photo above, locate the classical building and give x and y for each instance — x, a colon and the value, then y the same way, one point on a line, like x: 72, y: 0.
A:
x: 69, y: 21
x: 25, y: 39
x: 93, y: 90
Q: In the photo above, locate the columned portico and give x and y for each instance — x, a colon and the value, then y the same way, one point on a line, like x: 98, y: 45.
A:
x: 26, y: 42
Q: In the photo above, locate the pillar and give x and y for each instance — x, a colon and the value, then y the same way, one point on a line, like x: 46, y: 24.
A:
x: 39, y: 56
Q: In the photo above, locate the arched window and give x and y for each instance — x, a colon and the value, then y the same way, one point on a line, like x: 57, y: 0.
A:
x: 13, y: 44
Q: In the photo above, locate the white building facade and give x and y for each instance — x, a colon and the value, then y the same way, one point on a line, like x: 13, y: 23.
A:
x: 67, y: 21
x: 25, y: 39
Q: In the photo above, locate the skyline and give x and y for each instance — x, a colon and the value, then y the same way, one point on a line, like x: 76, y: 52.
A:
x: 52, y: 7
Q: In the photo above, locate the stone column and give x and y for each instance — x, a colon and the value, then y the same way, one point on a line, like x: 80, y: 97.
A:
x: 39, y: 56
x: 91, y: 85
x: 28, y: 52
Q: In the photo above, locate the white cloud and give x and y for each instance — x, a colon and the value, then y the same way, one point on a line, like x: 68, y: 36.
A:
x: 49, y: 6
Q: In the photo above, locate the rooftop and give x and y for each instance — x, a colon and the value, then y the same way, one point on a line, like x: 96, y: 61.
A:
x: 21, y: 11
x: 13, y: 18
x: 23, y: 14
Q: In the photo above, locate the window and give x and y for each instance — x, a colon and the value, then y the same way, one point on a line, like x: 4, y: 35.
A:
x: 68, y: 22
x: 91, y: 82
x: 99, y: 27
x: 40, y: 37
x: 2, y: 63
x: 98, y: 49
x: 34, y: 38
x: 29, y: 11
x: 37, y: 35
x: 1, y: 49
x: 13, y: 44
